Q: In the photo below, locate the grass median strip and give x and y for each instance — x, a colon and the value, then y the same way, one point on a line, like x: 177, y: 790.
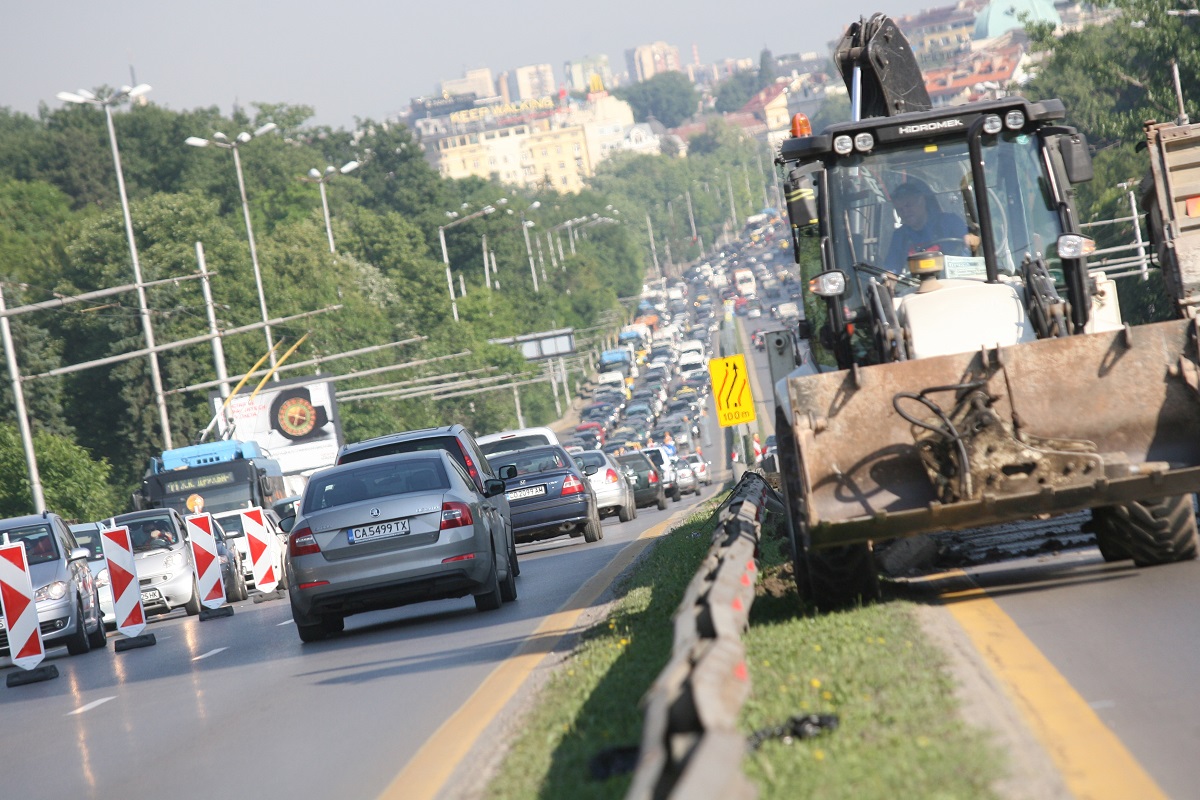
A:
x: 900, y: 731
x: 592, y: 701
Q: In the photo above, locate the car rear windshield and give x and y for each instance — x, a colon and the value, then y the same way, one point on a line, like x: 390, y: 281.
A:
x: 513, y: 444
x: 374, y: 480
x: 527, y: 462
x: 40, y: 546
x: 635, y: 460
x: 593, y: 458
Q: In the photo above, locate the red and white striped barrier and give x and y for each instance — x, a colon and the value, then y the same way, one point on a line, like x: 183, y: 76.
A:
x: 122, y: 572
x: 20, y: 610
x: 205, y: 560
x: 264, y: 550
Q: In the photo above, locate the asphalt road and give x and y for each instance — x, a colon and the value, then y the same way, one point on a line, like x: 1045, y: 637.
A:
x: 239, y: 706
x: 1126, y: 639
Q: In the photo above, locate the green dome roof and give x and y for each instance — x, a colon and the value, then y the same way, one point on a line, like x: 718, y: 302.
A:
x: 1001, y: 16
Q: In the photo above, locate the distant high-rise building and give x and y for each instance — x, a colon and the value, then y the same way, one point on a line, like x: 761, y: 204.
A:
x: 581, y: 74
x: 647, y: 60
x: 531, y: 82
x: 478, y: 81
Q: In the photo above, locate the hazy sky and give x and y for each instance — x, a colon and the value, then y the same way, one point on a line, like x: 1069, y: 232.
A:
x: 367, y: 58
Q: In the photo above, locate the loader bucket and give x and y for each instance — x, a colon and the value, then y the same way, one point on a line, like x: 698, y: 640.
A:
x: 1130, y: 397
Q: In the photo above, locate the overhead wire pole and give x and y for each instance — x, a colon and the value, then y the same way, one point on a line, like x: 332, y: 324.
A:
x: 222, y: 141
x: 106, y: 103
x: 10, y: 357
x: 218, y: 346
x: 653, y: 249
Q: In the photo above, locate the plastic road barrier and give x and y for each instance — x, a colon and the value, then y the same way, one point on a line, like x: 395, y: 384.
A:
x: 264, y: 550
x: 20, y: 610
x: 205, y: 560
x: 127, y: 595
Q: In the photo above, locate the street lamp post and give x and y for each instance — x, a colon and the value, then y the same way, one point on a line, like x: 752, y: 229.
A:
x: 446, y: 254
x: 221, y: 140
x: 83, y: 96
x: 525, y: 226
x: 316, y: 176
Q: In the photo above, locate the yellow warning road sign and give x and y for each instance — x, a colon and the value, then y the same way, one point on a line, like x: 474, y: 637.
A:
x: 731, y: 390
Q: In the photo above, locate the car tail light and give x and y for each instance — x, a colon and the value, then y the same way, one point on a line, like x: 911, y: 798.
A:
x: 456, y: 515
x: 611, y: 476
x: 302, y: 542
x: 467, y: 557
x: 572, y: 485
x: 471, y: 470
x: 653, y: 476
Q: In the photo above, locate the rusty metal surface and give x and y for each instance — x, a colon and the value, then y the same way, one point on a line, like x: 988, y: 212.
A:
x: 1124, y: 392
x: 691, y: 747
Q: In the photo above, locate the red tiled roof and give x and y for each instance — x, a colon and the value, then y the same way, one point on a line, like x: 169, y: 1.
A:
x: 759, y: 102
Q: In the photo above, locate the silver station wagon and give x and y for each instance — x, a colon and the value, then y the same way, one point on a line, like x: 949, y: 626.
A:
x: 393, y: 530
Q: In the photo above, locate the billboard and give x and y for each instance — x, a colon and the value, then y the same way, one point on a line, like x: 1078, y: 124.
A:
x: 294, y: 421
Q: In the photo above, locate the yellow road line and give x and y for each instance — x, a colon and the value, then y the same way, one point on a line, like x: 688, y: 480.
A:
x: 425, y: 775
x: 1092, y: 760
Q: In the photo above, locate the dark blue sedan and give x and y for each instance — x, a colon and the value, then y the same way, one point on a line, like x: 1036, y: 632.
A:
x: 550, y: 495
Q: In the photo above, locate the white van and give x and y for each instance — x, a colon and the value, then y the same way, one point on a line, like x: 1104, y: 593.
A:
x: 521, y: 439
x: 611, y: 378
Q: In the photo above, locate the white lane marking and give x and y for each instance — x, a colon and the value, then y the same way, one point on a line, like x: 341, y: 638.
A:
x: 91, y: 705
x: 1099, y: 705
x: 210, y: 653
x: 285, y: 622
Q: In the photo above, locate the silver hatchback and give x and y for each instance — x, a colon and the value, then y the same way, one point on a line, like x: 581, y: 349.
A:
x: 614, y: 495
x: 393, y: 530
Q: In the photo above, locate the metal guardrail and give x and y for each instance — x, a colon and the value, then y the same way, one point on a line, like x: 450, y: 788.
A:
x: 691, y: 746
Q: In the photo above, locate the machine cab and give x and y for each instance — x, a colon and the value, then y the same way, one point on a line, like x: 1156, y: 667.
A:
x: 984, y: 188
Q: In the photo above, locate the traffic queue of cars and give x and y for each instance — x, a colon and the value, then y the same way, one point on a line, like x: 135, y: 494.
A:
x: 408, y: 517
x: 656, y: 415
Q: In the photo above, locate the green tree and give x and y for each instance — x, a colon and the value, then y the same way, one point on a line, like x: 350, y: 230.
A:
x: 73, y: 483
x: 669, y: 97
x: 736, y: 90
x: 767, y: 71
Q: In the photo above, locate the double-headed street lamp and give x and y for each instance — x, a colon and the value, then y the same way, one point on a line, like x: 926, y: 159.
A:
x: 525, y: 226
x: 456, y: 220
x: 107, y: 101
x: 221, y: 140
x: 319, y: 178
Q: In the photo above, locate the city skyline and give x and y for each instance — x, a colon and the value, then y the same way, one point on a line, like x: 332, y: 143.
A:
x: 371, y: 60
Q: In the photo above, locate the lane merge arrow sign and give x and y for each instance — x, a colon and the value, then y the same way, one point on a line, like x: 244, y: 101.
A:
x: 731, y: 390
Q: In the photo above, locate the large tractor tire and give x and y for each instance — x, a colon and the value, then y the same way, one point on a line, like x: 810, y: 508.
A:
x: 1153, y: 532
x: 837, y: 577
x: 828, y: 579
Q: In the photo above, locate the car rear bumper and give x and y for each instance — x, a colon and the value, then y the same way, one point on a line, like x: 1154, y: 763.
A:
x: 609, y: 496
x: 554, y: 517
x: 372, y: 595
